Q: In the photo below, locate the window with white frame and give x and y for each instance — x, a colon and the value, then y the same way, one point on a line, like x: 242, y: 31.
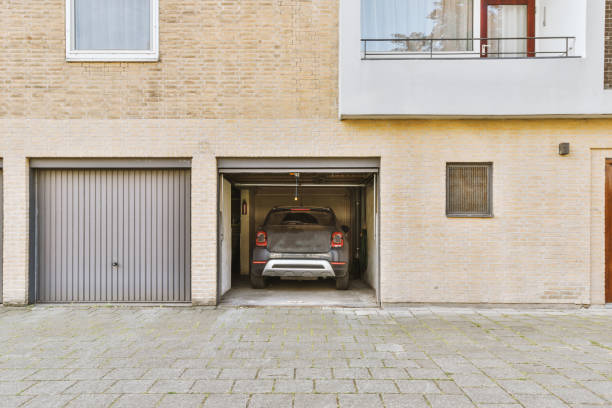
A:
x: 112, y: 30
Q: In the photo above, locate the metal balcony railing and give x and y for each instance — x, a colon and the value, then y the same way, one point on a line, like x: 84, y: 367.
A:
x: 467, y: 48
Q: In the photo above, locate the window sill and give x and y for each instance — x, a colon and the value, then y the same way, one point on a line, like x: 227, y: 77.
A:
x: 130, y: 56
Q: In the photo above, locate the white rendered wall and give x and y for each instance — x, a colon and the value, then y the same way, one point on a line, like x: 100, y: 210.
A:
x: 480, y: 87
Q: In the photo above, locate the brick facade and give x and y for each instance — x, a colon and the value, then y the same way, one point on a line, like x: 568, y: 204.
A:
x: 218, y: 60
x: 259, y: 78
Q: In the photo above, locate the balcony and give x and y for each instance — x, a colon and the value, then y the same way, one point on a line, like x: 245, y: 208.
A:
x: 472, y: 58
x: 447, y: 48
x: 472, y: 28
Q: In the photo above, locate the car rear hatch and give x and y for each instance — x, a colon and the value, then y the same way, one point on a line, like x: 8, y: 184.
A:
x: 299, y: 238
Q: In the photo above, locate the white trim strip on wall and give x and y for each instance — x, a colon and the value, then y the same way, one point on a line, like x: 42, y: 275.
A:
x: 110, y: 163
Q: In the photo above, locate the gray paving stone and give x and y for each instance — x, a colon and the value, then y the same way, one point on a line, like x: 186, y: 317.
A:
x: 48, y: 401
x: 352, y: 373
x: 294, y: 386
x: 271, y: 401
x: 125, y: 374
x: 389, y: 373
x: 238, y: 373
x: 472, y: 380
x: 522, y: 387
x: 359, y: 401
x: 418, y: 387
x: 130, y: 386
x: 313, y: 373
x: 92, y: 401
x: 89, y: 387
x: 253, y: 386
x: 334, y: 386
x: 488, y: 395
x: 376, y: 386
x: 15, y: 374
x: 449, y: 401
x: 448, y: 387
x: 171, y: 386
x: 14, y: 387
x: 552, y: 380
x: 274, y: 373
x: 181, y: 401
x: 315, y: 400
x: 426, y: 373
x: 212, y: 386
x: 404, y: 401
x: 13, y: 401
x: 540, y: 401
x: 200, y: 373
x: 87, y: 374
x: 576, y: 395
x: 49, y: 374
x: 48, y: 388
x: 602, y: 388
x: 367, y: 363
x: 163, y: 374
x: 226, y: 401
x: 137, y: 401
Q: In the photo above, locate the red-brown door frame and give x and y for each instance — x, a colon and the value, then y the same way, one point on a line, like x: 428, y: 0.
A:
x: 608, y: 233
x: 484, y: 22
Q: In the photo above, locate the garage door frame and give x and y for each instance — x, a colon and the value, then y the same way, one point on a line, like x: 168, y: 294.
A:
x: 233, y: 165
x: 37, y: 164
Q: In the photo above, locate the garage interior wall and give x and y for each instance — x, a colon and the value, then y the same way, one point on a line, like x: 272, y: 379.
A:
x: 371, y: 273
x: 225, y: 237
x: 113, y: 235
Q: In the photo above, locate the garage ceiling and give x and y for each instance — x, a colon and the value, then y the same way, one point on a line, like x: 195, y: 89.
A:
x: 305, y: 178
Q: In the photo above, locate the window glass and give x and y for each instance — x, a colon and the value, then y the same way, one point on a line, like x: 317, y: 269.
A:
x: 284, y: 217
x: 505, y: 23
x: 415, y: 20
x: 112, y: 24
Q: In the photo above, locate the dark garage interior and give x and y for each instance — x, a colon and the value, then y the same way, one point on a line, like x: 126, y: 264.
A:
x: 246, y: 197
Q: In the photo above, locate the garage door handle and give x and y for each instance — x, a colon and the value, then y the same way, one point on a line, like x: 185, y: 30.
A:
x: 115, y: 264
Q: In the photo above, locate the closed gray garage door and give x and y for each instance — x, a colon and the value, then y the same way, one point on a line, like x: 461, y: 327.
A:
x: 113, y: 235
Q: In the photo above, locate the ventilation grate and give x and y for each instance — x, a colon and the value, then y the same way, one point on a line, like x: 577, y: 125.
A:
x: 468, y: 189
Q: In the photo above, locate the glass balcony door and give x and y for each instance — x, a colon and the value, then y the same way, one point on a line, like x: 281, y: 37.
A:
x: 508, y: 28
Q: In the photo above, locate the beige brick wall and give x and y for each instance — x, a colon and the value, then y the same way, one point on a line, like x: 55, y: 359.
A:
x: 259, y: 78
x: 218, y: 59
x: 537, y: 249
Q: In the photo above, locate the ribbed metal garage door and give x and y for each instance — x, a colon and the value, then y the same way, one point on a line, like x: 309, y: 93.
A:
x: 113, y: 235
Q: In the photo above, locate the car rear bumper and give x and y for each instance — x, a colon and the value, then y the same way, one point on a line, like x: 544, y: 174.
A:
x: 301, y: 268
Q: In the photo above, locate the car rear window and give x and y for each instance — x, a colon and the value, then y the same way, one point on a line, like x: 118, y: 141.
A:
x: 288, y: 217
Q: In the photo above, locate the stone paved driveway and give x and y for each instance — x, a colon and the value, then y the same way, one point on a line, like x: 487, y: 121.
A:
x: 304, y: 357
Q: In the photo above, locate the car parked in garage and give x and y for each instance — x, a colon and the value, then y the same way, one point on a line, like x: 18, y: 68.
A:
x: 301, y: 243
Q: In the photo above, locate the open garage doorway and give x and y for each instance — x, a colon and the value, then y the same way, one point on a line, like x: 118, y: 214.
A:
x: 298, y: 232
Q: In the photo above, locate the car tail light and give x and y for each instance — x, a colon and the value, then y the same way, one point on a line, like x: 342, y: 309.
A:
x: 337, y: 240
x: 261, y: 239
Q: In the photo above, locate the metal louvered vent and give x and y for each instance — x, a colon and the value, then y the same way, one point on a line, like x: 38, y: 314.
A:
x: 469, y: 189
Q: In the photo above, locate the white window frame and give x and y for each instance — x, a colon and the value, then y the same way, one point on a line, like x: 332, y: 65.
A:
x: 150, y: 55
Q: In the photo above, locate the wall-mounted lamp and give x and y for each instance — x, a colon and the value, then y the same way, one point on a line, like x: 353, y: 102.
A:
x: 564, y: 149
